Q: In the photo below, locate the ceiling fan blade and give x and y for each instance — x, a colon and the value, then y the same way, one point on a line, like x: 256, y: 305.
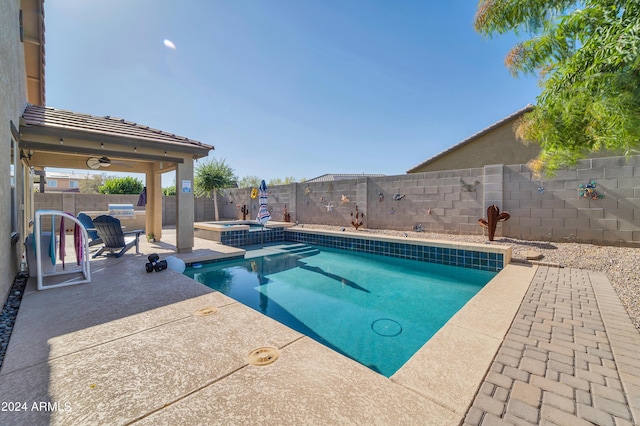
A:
x: 104, y: 162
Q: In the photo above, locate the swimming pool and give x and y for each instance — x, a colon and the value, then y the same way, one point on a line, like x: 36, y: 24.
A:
x: 374, y: 309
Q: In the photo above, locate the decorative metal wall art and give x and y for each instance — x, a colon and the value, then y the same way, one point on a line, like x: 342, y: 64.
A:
x: 589, y: 191
x: 356, y: 221
x: 493, y: 217
x: 468, y: 187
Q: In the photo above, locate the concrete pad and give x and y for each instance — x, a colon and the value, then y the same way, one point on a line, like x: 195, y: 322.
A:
x: 109, y: 299
x: 125, y: 379
x: 308, y: 384
x: 450, y: 367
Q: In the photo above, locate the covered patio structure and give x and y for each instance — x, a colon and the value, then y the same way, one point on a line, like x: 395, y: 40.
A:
x: 50, y: 137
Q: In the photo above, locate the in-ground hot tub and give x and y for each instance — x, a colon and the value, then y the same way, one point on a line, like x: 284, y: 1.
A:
x: 239, y: 233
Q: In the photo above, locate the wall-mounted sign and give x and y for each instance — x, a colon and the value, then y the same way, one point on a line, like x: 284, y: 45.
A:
x: 186, y: 186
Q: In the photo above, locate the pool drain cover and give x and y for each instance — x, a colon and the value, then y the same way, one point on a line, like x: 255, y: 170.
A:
x: 263, y: 356
x: 386, y: 327
x: 209, y: 310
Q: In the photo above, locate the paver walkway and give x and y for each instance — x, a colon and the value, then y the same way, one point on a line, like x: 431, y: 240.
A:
x: 571, y: 357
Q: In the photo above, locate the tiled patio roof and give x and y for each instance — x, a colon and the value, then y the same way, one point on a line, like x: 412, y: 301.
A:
x: 43, y: 116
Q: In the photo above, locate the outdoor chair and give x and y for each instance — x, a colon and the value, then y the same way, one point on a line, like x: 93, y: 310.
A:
x: 114, y: 238
x: 87, y: 222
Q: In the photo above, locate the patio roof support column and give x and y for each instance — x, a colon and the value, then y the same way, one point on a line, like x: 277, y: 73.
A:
x: 185, y: 206
x: 153, y: 217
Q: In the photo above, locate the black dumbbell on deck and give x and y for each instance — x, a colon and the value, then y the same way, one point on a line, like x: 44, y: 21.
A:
x: 155, y: 264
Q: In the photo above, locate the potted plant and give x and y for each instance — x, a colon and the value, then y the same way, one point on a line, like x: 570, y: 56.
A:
x: 151, y: 238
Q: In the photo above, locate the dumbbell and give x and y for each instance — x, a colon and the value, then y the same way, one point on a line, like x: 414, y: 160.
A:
x: 155, y: 264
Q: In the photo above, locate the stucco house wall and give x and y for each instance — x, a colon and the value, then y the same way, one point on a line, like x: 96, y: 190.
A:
x: 498, y: 146
x: 13, y: 95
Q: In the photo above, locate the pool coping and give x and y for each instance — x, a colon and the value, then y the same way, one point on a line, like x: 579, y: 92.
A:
x: 464, y: 348
x: 237, y: 225
x: 492, y: 247
x: 235, y: 252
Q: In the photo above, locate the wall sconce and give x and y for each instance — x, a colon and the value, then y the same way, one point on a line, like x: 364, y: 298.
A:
x: 102, y: 145
x: 165, y: 153
x: 61, y: 141
x: 135, y: 149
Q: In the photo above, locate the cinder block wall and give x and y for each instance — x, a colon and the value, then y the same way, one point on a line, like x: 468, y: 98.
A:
x: 75, y: 203
x: 328, y: 203
x: 233, y: 200
x: 449, y: 201
x: 203, y: 210
x: 453, y: 201
x: 553, y: 210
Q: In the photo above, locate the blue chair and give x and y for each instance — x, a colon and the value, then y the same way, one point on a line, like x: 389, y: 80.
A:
x: 113, y: 237
x: 86, y: 221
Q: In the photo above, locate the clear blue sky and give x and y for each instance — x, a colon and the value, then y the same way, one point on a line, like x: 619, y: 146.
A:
x: 287, y: 87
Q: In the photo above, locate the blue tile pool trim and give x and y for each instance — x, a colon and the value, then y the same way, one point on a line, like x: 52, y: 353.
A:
x: 216, y: 260
x: 247, y: 237
x: 485, y: 261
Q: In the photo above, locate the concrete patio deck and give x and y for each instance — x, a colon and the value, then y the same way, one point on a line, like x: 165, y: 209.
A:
x: 132, y: 347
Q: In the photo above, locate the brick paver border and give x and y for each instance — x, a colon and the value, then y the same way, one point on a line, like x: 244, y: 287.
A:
x: 571, y: 357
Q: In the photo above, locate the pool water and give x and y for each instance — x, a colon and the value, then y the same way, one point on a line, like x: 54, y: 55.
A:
x: 374, y: 309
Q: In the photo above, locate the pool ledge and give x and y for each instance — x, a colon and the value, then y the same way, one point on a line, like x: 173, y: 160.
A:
x: 451, y: 366
x: 237, y: 225
x: 486, y: 248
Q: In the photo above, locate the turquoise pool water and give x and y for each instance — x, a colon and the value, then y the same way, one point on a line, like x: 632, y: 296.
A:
x: 374, y: 309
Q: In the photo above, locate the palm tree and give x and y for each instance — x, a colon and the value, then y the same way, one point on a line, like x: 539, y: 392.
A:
x: 211, y: 176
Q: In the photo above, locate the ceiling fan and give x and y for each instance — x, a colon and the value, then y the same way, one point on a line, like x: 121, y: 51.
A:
x: 97, y: 162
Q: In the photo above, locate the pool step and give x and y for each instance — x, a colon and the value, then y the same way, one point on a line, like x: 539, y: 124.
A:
x: 311, y: 252
x: 296, y: 248
x: 302, y: 250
